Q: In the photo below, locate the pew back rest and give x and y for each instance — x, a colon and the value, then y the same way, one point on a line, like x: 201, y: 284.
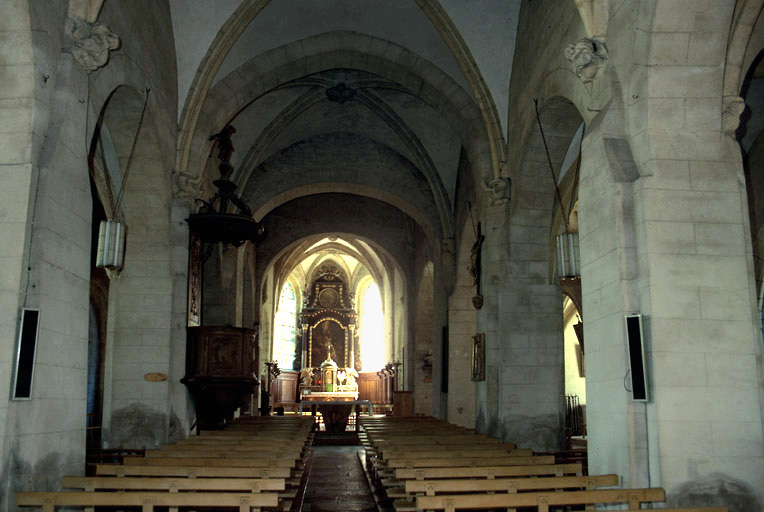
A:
x: 433, y: 487
x: 543, y: 500
x: 173, y: 484
x: 191, y: 471
x: 488, y: 471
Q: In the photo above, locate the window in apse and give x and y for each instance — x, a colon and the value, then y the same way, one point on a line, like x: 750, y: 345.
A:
x: 371, y: 327
x: 284, y: 331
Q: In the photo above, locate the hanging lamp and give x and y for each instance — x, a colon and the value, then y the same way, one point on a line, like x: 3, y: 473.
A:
x: 214, y: 223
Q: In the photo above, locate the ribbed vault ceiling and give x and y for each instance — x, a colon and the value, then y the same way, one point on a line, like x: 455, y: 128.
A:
x: 407, y: 112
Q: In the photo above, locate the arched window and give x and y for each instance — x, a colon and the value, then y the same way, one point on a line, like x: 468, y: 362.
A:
x: 371, y: 329
x: 284, y: 330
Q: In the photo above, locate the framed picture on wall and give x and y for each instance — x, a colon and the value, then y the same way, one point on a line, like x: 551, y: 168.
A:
x: 478, y: 357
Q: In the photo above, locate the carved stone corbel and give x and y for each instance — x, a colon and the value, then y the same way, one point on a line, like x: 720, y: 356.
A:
x: 589, y: 57
x: 732, y: 108
x: 500, y: 190
x: 185, y: 187
x: 91, y: 42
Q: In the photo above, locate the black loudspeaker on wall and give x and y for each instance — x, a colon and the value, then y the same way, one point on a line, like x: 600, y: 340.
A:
x: 637, y: 361
x: 26, y: 346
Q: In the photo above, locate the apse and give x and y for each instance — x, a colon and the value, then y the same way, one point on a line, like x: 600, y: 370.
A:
x: 328, y: 302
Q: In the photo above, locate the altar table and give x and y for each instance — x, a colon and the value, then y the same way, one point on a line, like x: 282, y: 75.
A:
x: 334, y: 408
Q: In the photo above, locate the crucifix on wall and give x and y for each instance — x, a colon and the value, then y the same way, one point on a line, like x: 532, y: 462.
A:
x: 475, y: 270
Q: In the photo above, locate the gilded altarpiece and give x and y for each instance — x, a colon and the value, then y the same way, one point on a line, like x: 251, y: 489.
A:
x: 328, y: 320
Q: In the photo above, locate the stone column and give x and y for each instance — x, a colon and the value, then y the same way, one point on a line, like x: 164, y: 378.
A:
x: 18, y: 176
x: 180, y: 407
x: 48, y: 431
x: 488, y: 395
x: 703, y: 340
x: 529, y: 312
x: 610, y: 289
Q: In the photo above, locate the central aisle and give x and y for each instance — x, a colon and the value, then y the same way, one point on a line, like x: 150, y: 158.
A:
x: 337, y: 482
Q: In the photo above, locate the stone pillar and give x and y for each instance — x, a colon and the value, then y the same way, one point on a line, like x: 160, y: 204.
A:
x: 460, y: 399
x: 530, y: 320
x: 48, y: 431
x: 443, y: 283
x: 180, y: 407
x: 609, y: 286
x: 488, y: 395
x: 18, y: 176
x: 703, y: 341
x: 674, y: 245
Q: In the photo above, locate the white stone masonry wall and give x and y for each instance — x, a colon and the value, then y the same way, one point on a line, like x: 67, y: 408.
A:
x: 16, y: 173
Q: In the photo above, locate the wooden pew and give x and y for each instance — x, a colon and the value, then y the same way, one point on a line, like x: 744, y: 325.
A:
x: 433, y: 487
x: 211, y: 461
x: 172, y: 484
x: 243, y: 436
x: 413, y: 443
x: 382, y: 469
x: 259, y: 427
x: 418, y: 427
x: 414, y: 462
x: 441, y: 440
x: 540, y: 500
x: 250, y: 502
x: 247, y: 467
x: 201, y: 442
x: 511, y: 485
x: 487, y: 472
x: 693, y: 509
x: 175, y: 484
x: 192, y: 471
x: 453, y: 451
x: 295, y: 447
x: 276, y: 453
x: 395, y: 487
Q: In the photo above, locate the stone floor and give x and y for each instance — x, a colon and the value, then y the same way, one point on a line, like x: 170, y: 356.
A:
x: 337, y: 482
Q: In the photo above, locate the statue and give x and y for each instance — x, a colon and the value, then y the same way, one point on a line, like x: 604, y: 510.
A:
x: 588, y: 57
x: 352, y: 375
x: 225, y: 149
x: 347, y: 376
x: 306, y: 374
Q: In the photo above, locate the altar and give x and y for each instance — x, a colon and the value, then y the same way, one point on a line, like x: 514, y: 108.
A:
x: 335, y: 408
x: 328, y: 334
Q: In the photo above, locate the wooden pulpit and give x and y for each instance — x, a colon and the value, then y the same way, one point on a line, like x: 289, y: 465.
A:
x: 220, y: 371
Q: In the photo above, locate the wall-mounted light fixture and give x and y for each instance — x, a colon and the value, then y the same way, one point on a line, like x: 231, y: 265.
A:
x: 568, y: 255
x: 111, y: 244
